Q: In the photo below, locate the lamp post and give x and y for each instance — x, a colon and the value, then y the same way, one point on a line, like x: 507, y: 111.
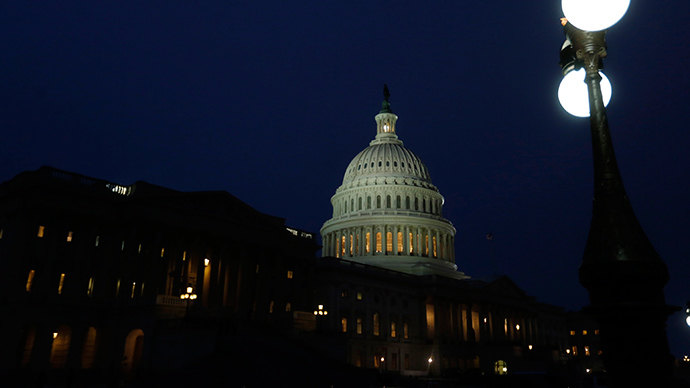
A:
x: 189, y: 295
x: 620, y: 268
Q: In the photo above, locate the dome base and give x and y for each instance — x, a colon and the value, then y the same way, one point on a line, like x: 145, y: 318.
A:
x: 413, y: 265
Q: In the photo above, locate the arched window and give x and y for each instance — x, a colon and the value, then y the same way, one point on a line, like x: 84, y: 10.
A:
x: 368, y: 202
x: 377, y: 324
x: 378, y: 202
x: 388, y: 201
x: 434, y: 250
x: 426, y: 243
x: 397, y: 202
x: 342, y: 245
x: 134, y: 346
x: 88, y: 352
x: 352, y: 205
x: 389, y: 242
x: 368, y: 243
x: 500, y: 367
x: 61, y: 341
x: 400, y: 242
x: 378, y: 242
x: 407, y: 203
x: 359, y: 203
x: 416, y: 203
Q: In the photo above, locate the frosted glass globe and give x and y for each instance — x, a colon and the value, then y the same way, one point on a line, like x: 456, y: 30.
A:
x: 594, y: 15
x: 573, y: 94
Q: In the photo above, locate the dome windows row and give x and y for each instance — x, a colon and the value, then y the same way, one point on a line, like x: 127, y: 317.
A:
x: 407, y: 241
x: 424, y: 204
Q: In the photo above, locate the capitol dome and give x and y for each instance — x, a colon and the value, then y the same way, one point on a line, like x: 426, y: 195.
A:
x: 387, y: 212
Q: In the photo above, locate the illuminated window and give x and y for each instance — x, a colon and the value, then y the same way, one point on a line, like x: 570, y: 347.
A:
x: 134, y: 286
x: 584, y: 332
x: 352, y: 245
x: 41, y: 230
x: 288, y: 307
x: 139, y: 249
x: 117, y: 288
x: 97, y: 240
x: 389, y: 242
x: 162, y: 252
x: 357, y: 244
x: 270, y: 307
x: 376, y: 323
x: 69, y: 236
x: 62, y: 283
x: 30, y: 280
x: 89, y: 290
x: 587, y: 351
x: 500, y: 367
x: 574, y: 350
x: 368, y: 242
x: 359, y: 295
x: 377, y: 360
x: 289, y: 274
x: 378, y: 242
x: 411, y: 248
x: 343, y: 246
x: 343, y: 325
x: 435, y: 255
x: 184, y: 253
x: 1, y: 231
x: 343, y: 294
x: 400, y: 242
x: 394, y: 333
x: 596, y: 332
x: 122, y: 247
x: 257, y: 268
x: 406, y: 330
x: 572, y: 332
x: 359, y: 325
x: 426, y: 247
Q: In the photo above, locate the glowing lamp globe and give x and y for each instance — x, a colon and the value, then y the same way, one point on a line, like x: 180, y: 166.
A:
x: 573, y: 94
x: 594, y: 15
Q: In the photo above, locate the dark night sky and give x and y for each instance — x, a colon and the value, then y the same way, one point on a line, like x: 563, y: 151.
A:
x: 271, y: 100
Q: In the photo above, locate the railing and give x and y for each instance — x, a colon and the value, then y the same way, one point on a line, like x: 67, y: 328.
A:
x: 170, y: 300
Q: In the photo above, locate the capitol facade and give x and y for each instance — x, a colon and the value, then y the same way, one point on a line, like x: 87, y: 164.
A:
x: 387, y: 212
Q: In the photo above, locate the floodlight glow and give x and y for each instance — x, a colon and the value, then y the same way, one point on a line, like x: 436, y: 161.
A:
x: 594, y: 15
x: 573, y: 94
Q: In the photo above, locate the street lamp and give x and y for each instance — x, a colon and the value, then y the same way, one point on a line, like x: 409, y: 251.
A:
x: 189, y: 295
x: 620, y: 268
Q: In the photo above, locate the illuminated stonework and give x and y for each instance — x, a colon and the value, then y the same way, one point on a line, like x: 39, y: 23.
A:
x: 387, y: 212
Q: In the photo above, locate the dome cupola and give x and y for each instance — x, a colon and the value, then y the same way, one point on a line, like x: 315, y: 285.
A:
x: 387, y: 212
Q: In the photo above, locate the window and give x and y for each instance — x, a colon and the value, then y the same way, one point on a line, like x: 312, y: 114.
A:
x: 30, y: 280
x: 378, y: 242
x: 435, y: 255
x: 426, y: 245
x: 368, y: 242
x: 400, y: 242
x: 89, y: 290
x: 288, y: 307
x: 572, y: 332
x: 406, y: 330
x: 376, y: 323
x: 388, y: 201
x: 1, y: 230
x: 378, y: 202
x: 134, y: 286
x: 406, y: 361
x: 162, y: 252
x: 584, y: 332
x: 500, y: 367
x: 393, y: 332
x: 62, y: 283
x: 574, y: 350
x: 359, y: 325
x: 343, y: 294
x: 69, y: 236
x: 342, y: 246
x: 122, y: 247
x: 389, y: 242
x: 359, y: 295
x: 41, y: 230
x: 596, y: 332
x: 99, y: 237
x: 368, y: 202
x: 139, y: 249
x: 394, y: 361
x: 343, y: 325
x: 289, y: 274
x: 411, y: 247
x: 587, y: 351
x: 270, y: 307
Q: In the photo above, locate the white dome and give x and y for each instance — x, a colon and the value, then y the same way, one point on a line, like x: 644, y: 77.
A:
x: 387, y: 212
